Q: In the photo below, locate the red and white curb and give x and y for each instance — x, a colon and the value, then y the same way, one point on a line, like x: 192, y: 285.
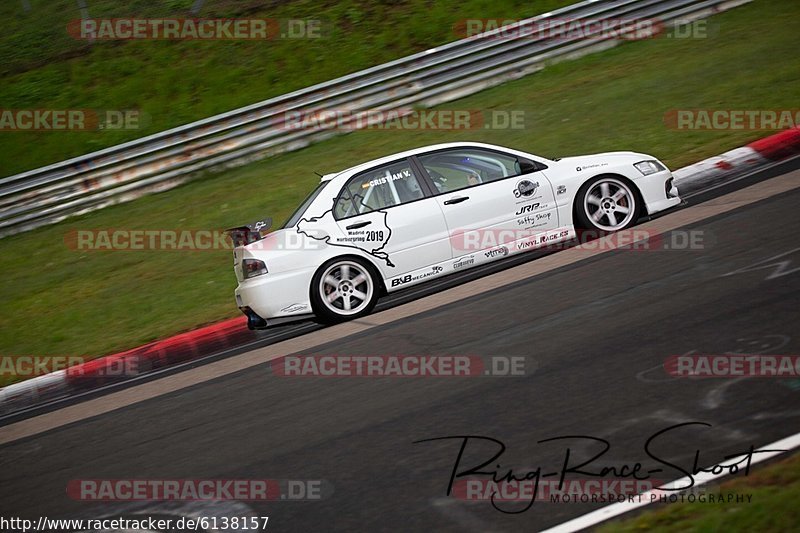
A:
x: 233, y: 332
x: 159, y: 354
x: 720, y: 165
x: 767, y: 150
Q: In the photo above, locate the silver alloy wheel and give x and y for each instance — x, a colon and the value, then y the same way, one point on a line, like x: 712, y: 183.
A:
x: 609, y: 204
x: 346, y: 288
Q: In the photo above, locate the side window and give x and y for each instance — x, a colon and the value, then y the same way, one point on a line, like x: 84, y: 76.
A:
x: 378, y: 188
x: 451, y: 170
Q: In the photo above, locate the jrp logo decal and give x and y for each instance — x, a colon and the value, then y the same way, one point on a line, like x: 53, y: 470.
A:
x: 525, y: 188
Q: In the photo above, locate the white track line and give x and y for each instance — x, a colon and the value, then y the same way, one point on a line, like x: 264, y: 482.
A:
x: 616, y: 509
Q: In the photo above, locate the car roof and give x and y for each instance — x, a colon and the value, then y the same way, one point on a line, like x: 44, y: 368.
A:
x: 399, y: 155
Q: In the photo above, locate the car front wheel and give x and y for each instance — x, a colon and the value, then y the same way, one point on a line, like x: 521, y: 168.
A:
x: 607, y: 204
x: 343, y: 289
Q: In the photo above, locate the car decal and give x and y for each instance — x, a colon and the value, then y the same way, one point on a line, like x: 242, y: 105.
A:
x: 525, y: 188
x: 374, y: 238
x: 465, y: 261
x: 294, y: 308
x: 408, y: 278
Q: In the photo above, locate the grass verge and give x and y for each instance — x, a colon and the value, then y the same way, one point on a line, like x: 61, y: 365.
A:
x: 775, y: 490
x: 175, y: 82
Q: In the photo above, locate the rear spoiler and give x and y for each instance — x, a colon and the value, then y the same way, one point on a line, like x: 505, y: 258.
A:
x: 249, y: 233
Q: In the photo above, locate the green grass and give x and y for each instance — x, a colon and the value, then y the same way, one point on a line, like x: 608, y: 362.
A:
x: 176, y: 82
x: 61, y: 302
x: 775, y: 490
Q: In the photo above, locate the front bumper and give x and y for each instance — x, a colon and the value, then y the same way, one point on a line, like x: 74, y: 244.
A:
x: 658, y: 191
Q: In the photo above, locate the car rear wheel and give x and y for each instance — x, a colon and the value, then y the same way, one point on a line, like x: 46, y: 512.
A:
x: 607, y: 204
x: 343, y: 289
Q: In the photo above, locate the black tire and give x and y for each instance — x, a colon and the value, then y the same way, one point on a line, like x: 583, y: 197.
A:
x: 607, y: 204
x: 336, y: 299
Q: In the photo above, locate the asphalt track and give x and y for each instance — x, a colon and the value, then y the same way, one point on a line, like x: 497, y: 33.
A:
x: 594, y: 333
x: 694, y: 192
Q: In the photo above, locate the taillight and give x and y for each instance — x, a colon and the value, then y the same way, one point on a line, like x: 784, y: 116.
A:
x: 243, y: 236
x: 252, y: 268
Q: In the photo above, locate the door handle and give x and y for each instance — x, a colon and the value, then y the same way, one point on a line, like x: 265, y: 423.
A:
x: 456, y: 200
x: 359, y: 225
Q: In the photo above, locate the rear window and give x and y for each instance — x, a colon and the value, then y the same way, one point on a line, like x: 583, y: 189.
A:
x: 295, y: 218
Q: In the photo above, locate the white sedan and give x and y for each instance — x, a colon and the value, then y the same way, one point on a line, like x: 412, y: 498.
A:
x: 411, y: 217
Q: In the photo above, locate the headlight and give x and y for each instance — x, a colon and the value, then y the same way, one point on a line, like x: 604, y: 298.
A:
x: 252, y: 268
x: 649, y: 167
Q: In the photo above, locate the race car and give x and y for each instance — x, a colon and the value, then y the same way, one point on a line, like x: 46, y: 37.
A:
x: 411, y: 217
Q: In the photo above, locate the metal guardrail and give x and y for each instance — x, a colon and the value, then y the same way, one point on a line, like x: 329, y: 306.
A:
x: 164, y: 160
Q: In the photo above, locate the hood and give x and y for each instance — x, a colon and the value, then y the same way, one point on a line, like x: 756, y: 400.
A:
x: 609, y: 158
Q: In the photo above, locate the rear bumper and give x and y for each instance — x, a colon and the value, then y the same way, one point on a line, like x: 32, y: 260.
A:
x: 275, y: 298
x: 254, y: 321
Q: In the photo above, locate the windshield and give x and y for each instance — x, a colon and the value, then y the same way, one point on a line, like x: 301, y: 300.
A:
x: 302, y: 209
